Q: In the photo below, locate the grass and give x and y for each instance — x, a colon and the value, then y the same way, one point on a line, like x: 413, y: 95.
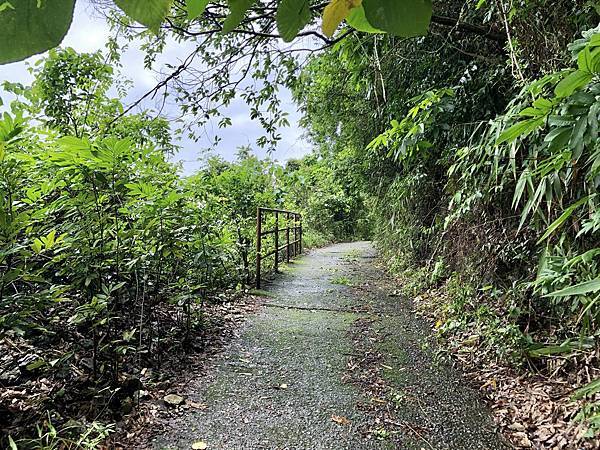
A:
x: 261, y: 293
x: 342, y: 280
x: 352, y: 255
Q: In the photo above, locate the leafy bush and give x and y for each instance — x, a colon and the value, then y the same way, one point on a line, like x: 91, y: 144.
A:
x: 107, y: 255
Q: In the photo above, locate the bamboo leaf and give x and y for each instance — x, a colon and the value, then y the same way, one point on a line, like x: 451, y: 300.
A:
x: 520, y: 188
x: 589, y: 306
x: 533, y: 202
x: 563, y: 217
x: 587, y: 390
x: 520, y: 130
x: 540, y: 350
x: 577, y: 289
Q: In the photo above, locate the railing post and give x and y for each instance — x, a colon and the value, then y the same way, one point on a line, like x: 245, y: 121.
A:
x: 292, y: 248
x: 287, y: 236
x: 300, y: 239
x: 295, y: 234
x: 276, y: 242
x: 258, y: 245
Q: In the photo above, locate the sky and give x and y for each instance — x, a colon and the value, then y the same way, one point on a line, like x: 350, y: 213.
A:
x: 89, y: 33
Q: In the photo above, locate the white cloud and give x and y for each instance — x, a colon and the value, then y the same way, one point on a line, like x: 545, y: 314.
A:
x: 88, y: 33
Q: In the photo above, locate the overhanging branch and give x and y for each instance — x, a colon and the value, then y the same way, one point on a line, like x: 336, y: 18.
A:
x: 466, y: 27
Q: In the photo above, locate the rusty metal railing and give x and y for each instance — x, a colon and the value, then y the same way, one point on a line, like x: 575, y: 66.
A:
x: 292, y: 248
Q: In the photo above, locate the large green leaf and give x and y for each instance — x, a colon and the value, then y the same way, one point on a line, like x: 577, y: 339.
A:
x: 150, y: 13
x: 587, y: 390
x: 399, y: 17
x: 520, y: 129
x: 292, y: 16
x: 26, y: 29
x: 540, y: 350
x: 237, y: 12
x: 578, y: 289
x: 572, y: 82
x: 358, y: 20
x: 558, y: 138
x: 588, y: 60
x: 195, y: 7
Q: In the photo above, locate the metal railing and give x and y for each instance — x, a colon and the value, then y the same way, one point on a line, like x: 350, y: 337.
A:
x: 292, y: 248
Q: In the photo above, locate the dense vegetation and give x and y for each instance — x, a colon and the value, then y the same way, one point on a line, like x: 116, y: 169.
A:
x: 471, y: 156
x: 468, y: 170
x: 108, y: 255
x: 482, y: 176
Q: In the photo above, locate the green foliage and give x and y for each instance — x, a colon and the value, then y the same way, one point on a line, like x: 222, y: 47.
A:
x: 71, y: 91
x: 478, y: 178
x: 588, y: 62
x: 590, y: 411
x: 32, y: 26
x: 234, y: 192
x: 195, y: 8
x: 578, y: 289
x: 322, y: 189
x: 237, y: 12
x: 107, y: 255
x: 405, y: 18
x: 407, y: 140
x: 482, y: 189
x: 358, y: 20
x: 74, y: 435
x: 342, y: 280
x: 292, y: 16
x: 150, y: 13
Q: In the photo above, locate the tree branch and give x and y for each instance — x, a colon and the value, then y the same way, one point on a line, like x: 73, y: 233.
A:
x: 486, y: 32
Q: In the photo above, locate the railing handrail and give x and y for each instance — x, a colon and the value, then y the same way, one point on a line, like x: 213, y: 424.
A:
x: 292, y: 248
x: 285, y: 211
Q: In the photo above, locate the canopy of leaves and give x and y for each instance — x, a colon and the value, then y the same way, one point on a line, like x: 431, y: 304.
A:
x: 33, y: 26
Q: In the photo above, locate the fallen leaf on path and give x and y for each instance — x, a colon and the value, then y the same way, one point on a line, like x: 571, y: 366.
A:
x: 173, y: 399
x: 199, y: 445
x: 340, y: 420
x: 197, y: 405
x: 491, y: 384
x: 516, y: 426
x: 471, y: 340
x: 522, y: 440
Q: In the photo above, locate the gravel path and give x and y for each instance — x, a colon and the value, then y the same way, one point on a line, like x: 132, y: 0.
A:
x: 279, y: 384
